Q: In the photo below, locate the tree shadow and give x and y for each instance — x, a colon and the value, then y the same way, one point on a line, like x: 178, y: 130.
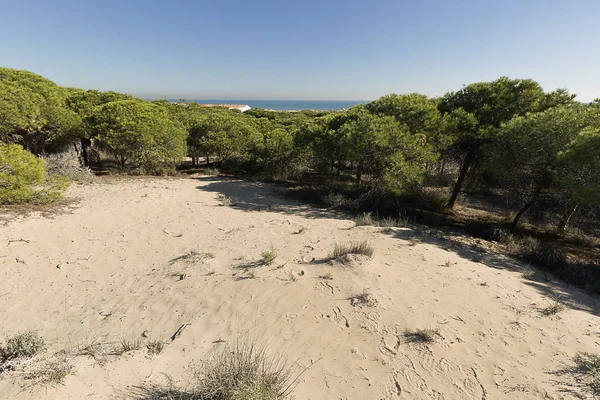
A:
x: 544, y: 282
x: 254, y: 196
x: 260, y: 197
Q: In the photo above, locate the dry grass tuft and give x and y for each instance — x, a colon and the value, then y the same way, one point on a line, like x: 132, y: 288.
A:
x: 226, y: 201
x: 22, y: 345
x: 328, y: 276
x: 211, y: 171
x: 528, y: 274
x: 192, y: 257
x: 361, y: 248
x: 363, y: 299
x: 426, y: 335
x: 155, y: 346
x: 555, y: 308
x: 588, y: 365
x: 364, y: 220
x: 126, y: 345
x: 243, y: 371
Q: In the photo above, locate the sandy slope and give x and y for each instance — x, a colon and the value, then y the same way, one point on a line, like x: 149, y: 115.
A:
x: 103, y: 271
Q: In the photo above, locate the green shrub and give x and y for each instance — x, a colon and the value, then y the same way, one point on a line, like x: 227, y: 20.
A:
x: 139, y: 134
x: 23, y: 177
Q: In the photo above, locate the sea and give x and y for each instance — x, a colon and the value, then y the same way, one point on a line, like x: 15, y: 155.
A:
x: 289, y: 105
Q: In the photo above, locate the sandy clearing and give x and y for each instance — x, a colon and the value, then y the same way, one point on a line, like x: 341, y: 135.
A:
x: 104, y: 271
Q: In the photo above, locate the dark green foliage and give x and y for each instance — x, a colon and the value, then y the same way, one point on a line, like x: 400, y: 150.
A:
x: 33, y: 112
x: 139, y: 133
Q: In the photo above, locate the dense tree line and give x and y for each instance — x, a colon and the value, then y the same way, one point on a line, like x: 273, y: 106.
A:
x: 533, y: 148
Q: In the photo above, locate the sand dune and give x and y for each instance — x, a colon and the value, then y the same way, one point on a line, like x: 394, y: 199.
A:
x: 108, y: 269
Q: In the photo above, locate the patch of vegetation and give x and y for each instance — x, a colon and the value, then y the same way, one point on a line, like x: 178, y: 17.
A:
x: 24, y: 179
x: 226, y: 201
x: 243, y: 371
x: 269, y: 256
x: 363, y: 299
x: 588, y: 365
x: 426, y: 335
x: 192, y: 257
x: 358, y: 247
x: 365, y: 219
x: 328, y: 276
x: 211, y: 171
x: 528, y: 274
x: 126, y: 345
x: 554, y: 308
x: 53, y: 372
x: 155, y: 346
x: 26, y: 344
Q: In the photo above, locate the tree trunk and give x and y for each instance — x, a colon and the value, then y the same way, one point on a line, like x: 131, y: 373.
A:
x: 84, y: 146
x: 464, y: 168
x: 526, y: 207
x: 358, y: 175
x: 207, y: 161
x: 339, y: 166
x: 564, y: 222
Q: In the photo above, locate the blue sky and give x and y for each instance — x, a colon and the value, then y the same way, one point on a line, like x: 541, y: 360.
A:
x: 304, y: 49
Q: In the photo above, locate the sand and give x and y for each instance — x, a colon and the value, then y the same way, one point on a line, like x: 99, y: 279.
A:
x: 103, y: 270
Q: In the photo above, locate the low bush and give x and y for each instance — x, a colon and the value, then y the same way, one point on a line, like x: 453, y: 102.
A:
x: 23, y: 177
x: 25, y: 344
x: 67, y: 164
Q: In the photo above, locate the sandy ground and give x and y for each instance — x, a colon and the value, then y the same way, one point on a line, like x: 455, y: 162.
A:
x: 103, y: 271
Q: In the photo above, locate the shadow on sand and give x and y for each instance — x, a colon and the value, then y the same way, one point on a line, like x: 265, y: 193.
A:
x: 262, y: 197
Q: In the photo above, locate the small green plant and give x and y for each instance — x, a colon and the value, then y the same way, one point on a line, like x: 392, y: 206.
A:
x: 589, y: 366
x: 412, y: 241
x: 426, y: 335
x: 269, y: 256
x: 359, y: 248
x: 25, y: 344
x: 364, y: 220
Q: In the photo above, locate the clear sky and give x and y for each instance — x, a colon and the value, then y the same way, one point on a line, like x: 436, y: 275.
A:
x: 303, y: 49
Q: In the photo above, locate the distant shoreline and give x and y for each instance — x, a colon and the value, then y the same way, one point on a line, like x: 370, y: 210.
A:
x: 286, y: 105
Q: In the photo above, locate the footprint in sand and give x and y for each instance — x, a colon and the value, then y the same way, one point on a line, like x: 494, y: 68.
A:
x: 338, y: 316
